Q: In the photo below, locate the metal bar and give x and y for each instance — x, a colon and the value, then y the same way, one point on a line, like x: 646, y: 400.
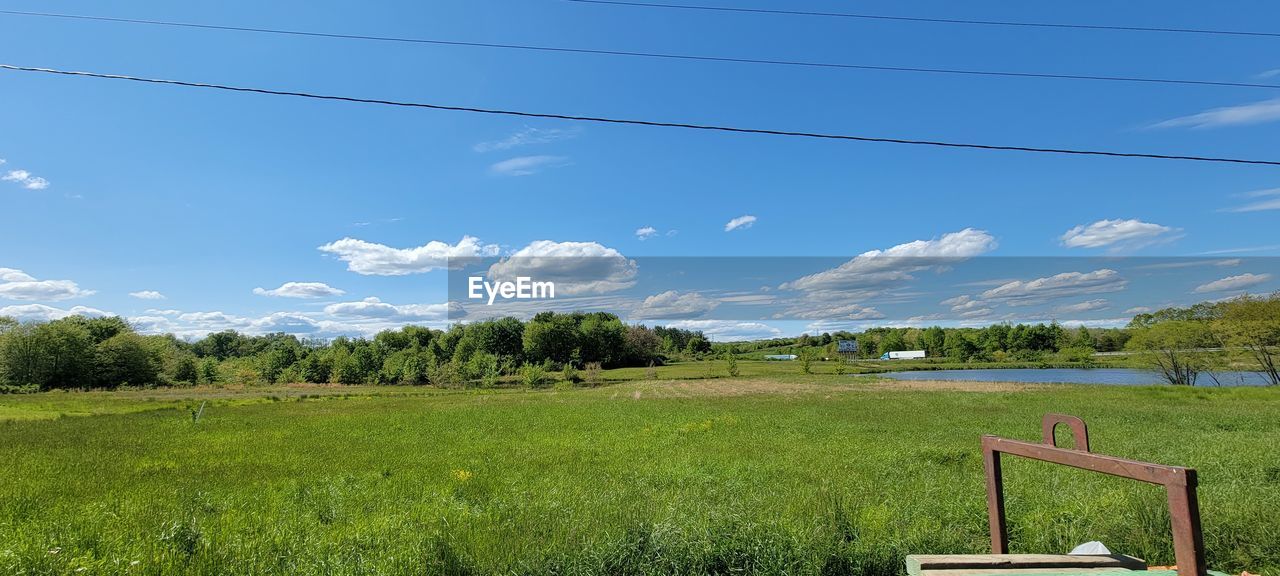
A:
x: 1179, y: 483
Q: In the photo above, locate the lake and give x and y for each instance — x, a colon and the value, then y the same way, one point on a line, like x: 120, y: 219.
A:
x: 1113, y: 376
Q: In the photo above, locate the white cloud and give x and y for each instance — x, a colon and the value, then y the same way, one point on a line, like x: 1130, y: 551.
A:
x: 575, y: 267
x: 25, y: 179
x: 147, y: 295
x: 673, y: 305
x: 646, y: 232
x: 526, y: 165
x: 1267, y: 74
x: 1138, y: 310
x: 729, y: 330
x: 1245, y: 114
x: 1064, y: 285
x: 742, y: 222
x: 1233, y: 283
x: 1267, y: 248
x: 372, y: 259
x: 373, y: 308
x: 1086, y: 306
x: 18, y: 285
x: 832, y: 312
x: 526, y: 137
x: 876, y: 268
x: 42, y: 313
x: 1270, y: 201
x: 1116, y: 233
x: 300, y: 290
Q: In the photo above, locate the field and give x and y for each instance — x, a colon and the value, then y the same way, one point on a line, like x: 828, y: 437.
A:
x: 772, y: 473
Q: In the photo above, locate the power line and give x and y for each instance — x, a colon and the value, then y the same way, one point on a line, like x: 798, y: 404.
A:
x: 934, y: 20
x: 634, y: 122
x: 659, y: 55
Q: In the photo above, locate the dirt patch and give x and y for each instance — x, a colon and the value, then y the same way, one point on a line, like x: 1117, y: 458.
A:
x: 730, y: 387
x: 948, y: 385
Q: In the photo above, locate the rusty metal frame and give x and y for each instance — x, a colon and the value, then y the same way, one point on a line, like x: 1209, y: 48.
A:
x: 1179, y: 484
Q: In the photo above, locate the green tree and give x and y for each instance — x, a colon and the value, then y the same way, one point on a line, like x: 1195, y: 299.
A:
x: 185, y: 369
x: 1252, y: 324
x: 58, y: 354
x: 126, y: 359
x: 1173, y: 348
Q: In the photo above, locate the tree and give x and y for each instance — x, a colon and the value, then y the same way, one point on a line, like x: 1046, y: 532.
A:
x: 126, y: 359
x: 56, y: 354
x: 1173, y: 348
x: 958, y: 346
x: 698, y: 345
x: 934, y: 341
x: 185, y: 369
x: 550, y: 336
x: 1253, y: 325
x: 640, y: 346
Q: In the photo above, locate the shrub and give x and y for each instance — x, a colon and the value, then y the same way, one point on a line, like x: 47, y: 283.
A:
x: 594, y: 373
x: 534, y: 375
x: 731, y: 363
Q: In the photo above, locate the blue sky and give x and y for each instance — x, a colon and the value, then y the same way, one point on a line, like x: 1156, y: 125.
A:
x: 116, y: 188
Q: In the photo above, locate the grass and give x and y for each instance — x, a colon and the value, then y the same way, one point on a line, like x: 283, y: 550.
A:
x: 768, y: 474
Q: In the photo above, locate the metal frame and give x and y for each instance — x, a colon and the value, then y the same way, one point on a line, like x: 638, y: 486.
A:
x: 1179, y: 483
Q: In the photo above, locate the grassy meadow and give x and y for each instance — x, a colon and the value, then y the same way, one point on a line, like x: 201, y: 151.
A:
x: 772, y: 472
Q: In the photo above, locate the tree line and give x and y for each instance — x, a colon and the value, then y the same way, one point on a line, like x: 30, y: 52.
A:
x: 995, y: 343
x: 79, y: 353
x: 1184, y: 343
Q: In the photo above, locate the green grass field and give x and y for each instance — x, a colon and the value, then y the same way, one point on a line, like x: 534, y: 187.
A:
x: 771, y: 473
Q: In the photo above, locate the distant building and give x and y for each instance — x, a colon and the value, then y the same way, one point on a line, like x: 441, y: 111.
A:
x: 847, y: 349
x: 781, y: 357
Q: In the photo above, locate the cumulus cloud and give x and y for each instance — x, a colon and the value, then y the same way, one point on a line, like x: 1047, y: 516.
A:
x: 1263, y: 200
x: 876, y: 268
x: 1058, y: 286
x: 1233, y: 283
x: 575, y: 267
x: 42, y: 313
x: 147, y: 295
x: 526, y: 165
x: 831, y: 312
x: 373, y: 308
x: 18, y: 285
x: 1116, y: 234
x: 1242, y: 115
x: 673, y: 305
x: 25, y: 179
x: 526, y: 137
x: 646, y: 232
x: 300, y: 290
x: 741, y: 222
x: 371, y: 259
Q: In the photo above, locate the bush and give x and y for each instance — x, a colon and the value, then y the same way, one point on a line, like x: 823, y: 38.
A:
x: 570, y: 374
x: 731, y: 362
x: 535, y: 375
x: 594, y: 373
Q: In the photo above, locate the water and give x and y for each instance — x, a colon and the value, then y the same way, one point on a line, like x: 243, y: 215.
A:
x: 1112, y: 376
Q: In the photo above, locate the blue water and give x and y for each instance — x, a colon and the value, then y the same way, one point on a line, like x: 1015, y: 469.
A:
x: 1112, y: 376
